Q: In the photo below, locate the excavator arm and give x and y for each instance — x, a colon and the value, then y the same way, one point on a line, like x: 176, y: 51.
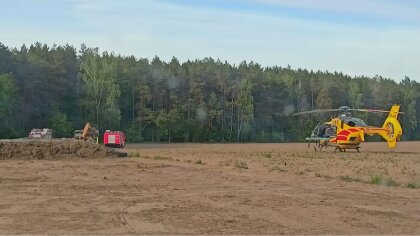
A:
x: 86, y: 130
x: 87, y: 133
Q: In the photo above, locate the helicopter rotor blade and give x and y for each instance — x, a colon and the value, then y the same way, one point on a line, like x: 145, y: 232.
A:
x: 314, y: 111
x: 372, y: 111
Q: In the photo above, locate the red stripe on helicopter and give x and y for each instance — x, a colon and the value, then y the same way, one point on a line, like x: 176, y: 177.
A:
x: 344, y: 132
x: 342, y: 138
x: 353, y: 130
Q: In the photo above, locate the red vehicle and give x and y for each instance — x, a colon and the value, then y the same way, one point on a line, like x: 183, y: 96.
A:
x: 114, y: 139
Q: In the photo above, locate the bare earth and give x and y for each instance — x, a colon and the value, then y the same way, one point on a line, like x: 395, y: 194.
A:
x: 215, y: 189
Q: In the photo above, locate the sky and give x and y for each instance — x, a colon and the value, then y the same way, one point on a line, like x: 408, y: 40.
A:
x: 356, y: 37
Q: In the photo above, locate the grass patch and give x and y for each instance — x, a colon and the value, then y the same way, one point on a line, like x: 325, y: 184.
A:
x: 278, y: 168
x: 379, y: 180
x: 198, y: 162
x: 137, y: 154
x: 241, y: 164
x: 319, y: 175
x: 350, y: 179
x: 309, y: 155
x: 299, y: 172
x: 328, y: 176
x: 412, y: 185
x: 391, y: 183
x: 161, y: 158
x: 267, y: 154
x: 376, y: 179
x: 225, y: 163
x: 134, y: 154
x: 313, y: 154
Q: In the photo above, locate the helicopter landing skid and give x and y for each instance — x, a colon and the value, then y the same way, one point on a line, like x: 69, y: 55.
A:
x: 344, y: 149
x: 318, y: 146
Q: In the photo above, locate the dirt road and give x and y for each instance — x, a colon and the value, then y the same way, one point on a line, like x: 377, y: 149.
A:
x: 215, y: 189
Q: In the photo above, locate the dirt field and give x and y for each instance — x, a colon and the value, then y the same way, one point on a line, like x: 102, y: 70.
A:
x: 215, y: 189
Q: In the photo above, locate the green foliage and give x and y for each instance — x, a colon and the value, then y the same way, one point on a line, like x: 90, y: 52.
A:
x: 100, y: 88
x: 350, y: 179
x: 132, y: 133
x: 134, y: 154
x: 245, y: 108
x: 162, y: 158
x: 323, y: 100
x: 376, y: 179
x: 412, y: 185
x: 60, y: 125
x: 355, y: 95
x: 409, y: 97
x: 240, y: 164
x: 391, y: 183
x: 278, y: 168
x: 203, y: 100
x: 8, y: 94
x: 267, y: 154
x: 8, y: 109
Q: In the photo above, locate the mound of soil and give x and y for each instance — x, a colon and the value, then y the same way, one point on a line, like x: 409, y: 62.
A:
x: 55, y: 149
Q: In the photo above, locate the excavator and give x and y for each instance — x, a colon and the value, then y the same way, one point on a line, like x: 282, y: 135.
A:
x: 88, y: 133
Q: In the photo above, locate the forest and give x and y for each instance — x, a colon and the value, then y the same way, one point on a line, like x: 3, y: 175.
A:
x: 200, y: 100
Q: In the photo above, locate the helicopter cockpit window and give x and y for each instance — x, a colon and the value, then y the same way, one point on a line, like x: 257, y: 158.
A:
x: 332, y: 132
x: 351, y: 123
x: 355, y: 122
x: 326, y: 131
x: 316, y: 131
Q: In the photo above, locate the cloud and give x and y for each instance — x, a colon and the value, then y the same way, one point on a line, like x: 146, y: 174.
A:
x: 402, y: 10
x: 147, y: 28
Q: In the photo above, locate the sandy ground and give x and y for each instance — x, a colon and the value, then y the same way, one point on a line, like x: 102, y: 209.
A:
x: 216, y: 189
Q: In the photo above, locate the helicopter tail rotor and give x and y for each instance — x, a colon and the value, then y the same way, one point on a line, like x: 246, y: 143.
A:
x: 393, y: 127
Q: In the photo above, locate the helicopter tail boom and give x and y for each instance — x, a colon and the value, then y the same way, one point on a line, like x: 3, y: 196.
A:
x: 391, y: 130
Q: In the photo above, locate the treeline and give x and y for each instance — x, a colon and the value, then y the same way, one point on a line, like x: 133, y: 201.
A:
x: 206, y: 100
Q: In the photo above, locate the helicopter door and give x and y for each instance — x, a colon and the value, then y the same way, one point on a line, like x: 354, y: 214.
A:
x: 322, y: 130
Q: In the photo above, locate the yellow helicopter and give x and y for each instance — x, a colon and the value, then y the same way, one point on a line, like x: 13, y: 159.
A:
x: 347, y: 132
